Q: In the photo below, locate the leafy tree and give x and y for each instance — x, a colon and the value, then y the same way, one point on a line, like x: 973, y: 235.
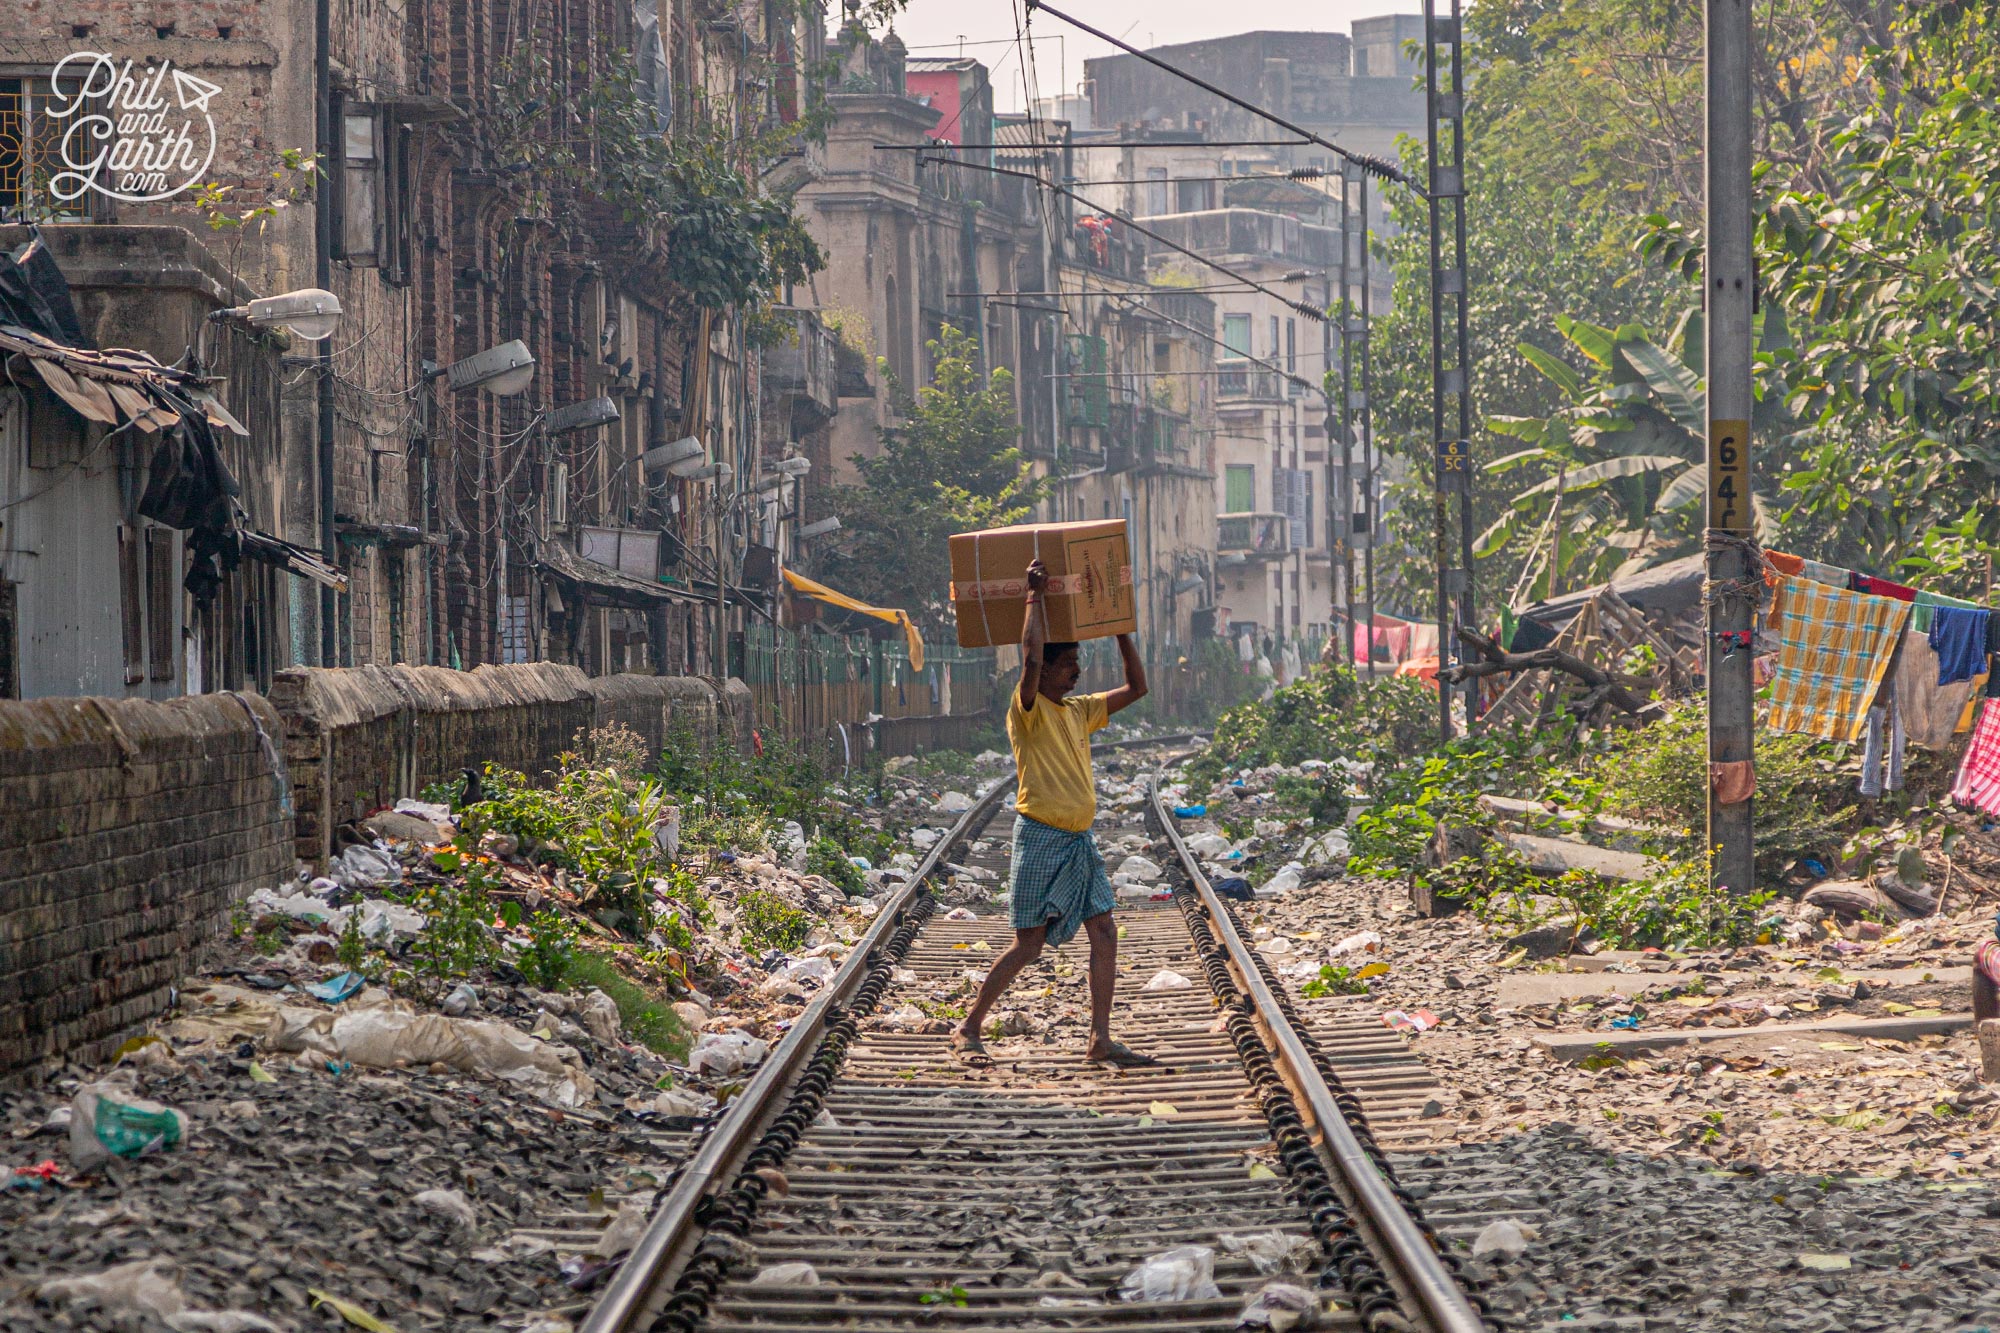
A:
x: 948, y: 464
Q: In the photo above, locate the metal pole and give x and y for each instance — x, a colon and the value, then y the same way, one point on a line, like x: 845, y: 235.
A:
x: 1342, y: 494
x: 1727, y: 286
x: 1449, y: 452
x: 329, y: 601
x: 1451, y: 109
x: 1362, y: 337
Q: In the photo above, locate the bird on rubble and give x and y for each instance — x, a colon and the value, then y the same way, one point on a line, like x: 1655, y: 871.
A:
x: 473, y: 792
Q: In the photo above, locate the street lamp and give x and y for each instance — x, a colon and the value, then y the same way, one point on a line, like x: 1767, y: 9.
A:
x: 502, y: 371
x: 311, y: 313
x: 721, y: 473
x: 820, y: 529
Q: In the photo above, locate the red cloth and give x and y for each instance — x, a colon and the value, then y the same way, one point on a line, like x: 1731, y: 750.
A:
x: 1978, y: 782
x: 1388, y: 631
x: 1884, y: 588
x: 1987, y: 960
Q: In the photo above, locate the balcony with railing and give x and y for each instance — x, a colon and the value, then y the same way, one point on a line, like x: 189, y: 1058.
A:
x: 1254, y: 536
x: 1241, y: 380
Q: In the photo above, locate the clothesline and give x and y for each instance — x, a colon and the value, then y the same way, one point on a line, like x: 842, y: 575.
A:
x: 1860, y: 656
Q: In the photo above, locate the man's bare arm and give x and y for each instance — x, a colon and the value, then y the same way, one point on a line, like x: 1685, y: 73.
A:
x: 1134, y: 688
x: 1033, y: 634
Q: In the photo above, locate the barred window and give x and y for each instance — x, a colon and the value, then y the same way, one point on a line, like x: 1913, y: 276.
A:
x: 30, y: 146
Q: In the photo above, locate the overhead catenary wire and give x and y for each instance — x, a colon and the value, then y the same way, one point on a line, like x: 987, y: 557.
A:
x: 1301, y: 307
x: 1375, y: 166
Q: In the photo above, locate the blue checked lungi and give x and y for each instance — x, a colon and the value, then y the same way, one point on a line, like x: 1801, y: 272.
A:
x: 1058, y: 879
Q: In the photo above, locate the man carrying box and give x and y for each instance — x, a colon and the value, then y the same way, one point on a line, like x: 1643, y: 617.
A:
x: 1058, y: 879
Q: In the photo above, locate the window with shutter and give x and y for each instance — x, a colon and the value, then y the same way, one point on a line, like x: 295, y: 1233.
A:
x: 1239, y: 488
x: 162, y: 591
x: 131, y: 607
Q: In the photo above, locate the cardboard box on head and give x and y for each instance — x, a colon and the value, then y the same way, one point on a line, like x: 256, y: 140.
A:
x: 1090, y: 593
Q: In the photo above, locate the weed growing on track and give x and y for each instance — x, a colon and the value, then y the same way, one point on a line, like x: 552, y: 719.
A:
x: 769, y: 923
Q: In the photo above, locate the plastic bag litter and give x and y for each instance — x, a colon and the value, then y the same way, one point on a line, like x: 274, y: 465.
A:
x: 144, y: 1286
x: 387, y: 1036
x: 431, y: 810
x: 1272, y: 1251
x: 1166, y: 979
x: 1282, y: 1307
x: 1361, y: 941
x: 365, y: 868
x: 451, y: 1204
x: 961, y: 914
x: 623, y: 1231
x: 1328, y: 849
x: 670, y: 1101
x: 786, y: 1275
x: 462, y: 1000
x: 598, y: 1015
x: 1284, y: 881
x: 794, y: 975
x: 1185, y: 1273
x: 1209, y: 844
x: 1267, y: 828
x: 953, y: 803
x: 923, y: 839
x: 724, y: 1053
x: 1139, y: 868
x: 905, y: 1018
x: 1504, y: 1237
x: 107, y: 1119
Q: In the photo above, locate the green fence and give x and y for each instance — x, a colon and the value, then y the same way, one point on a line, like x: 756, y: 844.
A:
x: 802, y: 685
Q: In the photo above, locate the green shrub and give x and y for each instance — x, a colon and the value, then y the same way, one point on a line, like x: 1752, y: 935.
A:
x: 1659, y: 774
x: 647, y: 1018
x: 769, y: 922
x: 826, y: 857
x: 550, y: 956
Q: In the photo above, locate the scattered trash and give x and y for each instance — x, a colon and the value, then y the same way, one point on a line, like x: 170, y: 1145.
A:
x: 335, y: 989
x: 1190, y: 811
x: 1287, y: 879
x: 1185, y: 1273
x: 389, y: 1036
x: 1235, y: 888
x: 1272, y: 1251
x: 1208, y: 844
x: 1826, y: 1263
x: 598, y: 1015
x: 1267, y: 828
x: 786, y: 1275
x: 961, y: 914
x: 953, y: 803
x: 793, y: 976
x: 1364, y: 941
x: 1629, y: 1022
x: 724, y: 1053
x: 1141, y: 868
x: 450, y: 1204
x: 108, y: 1120
x: 1504, y: 1237
x: 1417, y: 1020
x: 1282, y: 1307
x: 462, y: 1000
x: 622, y: 1232
x: 349, y: 1311
x: 361, y: 867
x: 1166, y: 979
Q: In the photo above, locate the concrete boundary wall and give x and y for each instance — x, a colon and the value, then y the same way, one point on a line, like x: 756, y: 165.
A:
x: 357, y: 738
x: 128, y: 829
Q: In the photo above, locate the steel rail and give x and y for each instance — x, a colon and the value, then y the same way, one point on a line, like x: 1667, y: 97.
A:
x: 652, y: 1265
x: 1414, y: 1265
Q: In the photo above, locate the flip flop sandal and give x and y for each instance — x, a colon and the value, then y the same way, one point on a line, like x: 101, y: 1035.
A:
x: 968, y: 1047
x: 1121, y: 1056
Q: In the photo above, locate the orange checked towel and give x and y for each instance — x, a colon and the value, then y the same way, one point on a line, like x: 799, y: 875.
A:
x: 1834, y: 648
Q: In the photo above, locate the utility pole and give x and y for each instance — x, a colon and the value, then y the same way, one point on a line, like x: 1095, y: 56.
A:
x: 1727, y: 286
x: 1340, y: 496
x: 1360, y: 335
x: 1451, y: 409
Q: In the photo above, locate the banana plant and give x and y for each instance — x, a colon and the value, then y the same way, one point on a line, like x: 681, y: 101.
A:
x: 1617, y: 471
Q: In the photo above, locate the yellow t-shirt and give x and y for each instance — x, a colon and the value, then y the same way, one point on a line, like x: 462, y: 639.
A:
x: 1052, y: 753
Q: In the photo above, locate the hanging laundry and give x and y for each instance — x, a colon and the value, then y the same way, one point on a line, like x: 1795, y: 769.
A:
x: 1833, y: 576
x: 1882, y: 752
x: 1958, y: 637
x: 1930, y: 711
x: 1929, y: 602
x: 1784, y: 563
x: 1834, y: 648
x: 1978, y: 782
x: 1880, y: 587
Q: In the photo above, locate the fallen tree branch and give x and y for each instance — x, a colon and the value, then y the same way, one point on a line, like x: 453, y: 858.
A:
x: 1494, y: 661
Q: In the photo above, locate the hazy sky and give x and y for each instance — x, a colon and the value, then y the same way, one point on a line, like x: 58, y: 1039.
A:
x: 987, y: 27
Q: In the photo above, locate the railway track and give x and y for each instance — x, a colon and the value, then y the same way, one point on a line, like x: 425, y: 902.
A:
x: 925, y: 1192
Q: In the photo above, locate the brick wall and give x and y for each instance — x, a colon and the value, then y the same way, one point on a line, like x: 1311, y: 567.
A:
x: 358, y: 738
x: 127, y: 828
